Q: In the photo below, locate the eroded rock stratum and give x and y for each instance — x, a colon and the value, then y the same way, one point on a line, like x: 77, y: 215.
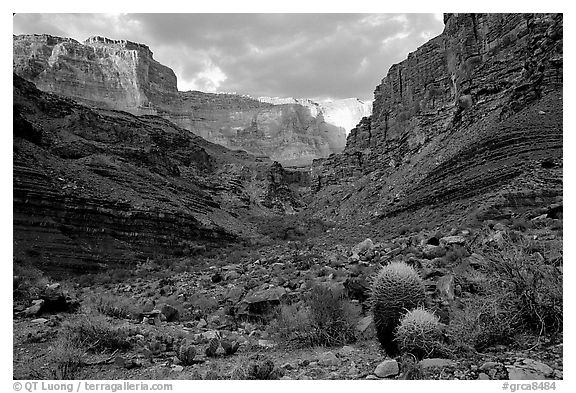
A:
x: 123, y: 75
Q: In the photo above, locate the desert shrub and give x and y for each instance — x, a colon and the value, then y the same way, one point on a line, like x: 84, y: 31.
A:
x: 325, y: 318
x: 293, y: 323
x: 95, y: 333
x: 333, y: 317
x: 28, y: 282
x: 65, y: 359
x: 532, y: 281
x: 203, y: 305
x: 256, y: 367
x: 521, y: 224
x: 114, y: 306
x: 108, y: 276
x: 419, y: 333
x: 482, y: 322
x: 455, y: 254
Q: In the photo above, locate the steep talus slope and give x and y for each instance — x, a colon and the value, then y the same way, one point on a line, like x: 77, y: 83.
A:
x: 96, y: 187
x: 123, y: 75
x: 468, y: 125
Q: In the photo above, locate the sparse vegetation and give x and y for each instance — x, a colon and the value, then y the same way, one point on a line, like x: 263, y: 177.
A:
x: 114, y: 306
x: 66, y: 358
x: 95, y: 333
x: 534, y: 283
x: 325, y: 318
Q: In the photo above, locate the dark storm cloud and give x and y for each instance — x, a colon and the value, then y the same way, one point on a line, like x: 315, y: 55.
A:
x: 300, y: 55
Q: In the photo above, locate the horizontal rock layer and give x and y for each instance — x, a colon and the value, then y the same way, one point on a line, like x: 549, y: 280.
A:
x: 123, y: 75
x: 473, y: 111
x: 94, y: 187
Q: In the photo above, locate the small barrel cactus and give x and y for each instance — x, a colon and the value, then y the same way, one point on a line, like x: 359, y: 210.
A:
x: 419, y: 333
x: 395, y: 289
x: 212, y: 347
x: 186, y: 353
x: 230, y: 347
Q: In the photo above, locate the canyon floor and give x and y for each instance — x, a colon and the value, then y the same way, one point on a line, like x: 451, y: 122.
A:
x: 264, y: 299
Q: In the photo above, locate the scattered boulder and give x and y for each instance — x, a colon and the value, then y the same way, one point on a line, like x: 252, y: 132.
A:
x: 357, y: 288
x: 430, y: 251
x: 35, y: 308
x: 329, y: 359
x: 449, y: 240
x: 388, y: 368
x: 432, y: 363
x: 445, y: 288
x: 529, y: 369
x: 261, y: 302
x: 170, y: 312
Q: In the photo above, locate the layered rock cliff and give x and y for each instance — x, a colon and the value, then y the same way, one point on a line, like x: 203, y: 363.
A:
x: 470, y: 121
x: 96, y: 187
x: 123, y: 75
x: 344, y: 113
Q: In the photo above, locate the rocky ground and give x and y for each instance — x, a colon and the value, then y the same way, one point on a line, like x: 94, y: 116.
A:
x: 227, y: 307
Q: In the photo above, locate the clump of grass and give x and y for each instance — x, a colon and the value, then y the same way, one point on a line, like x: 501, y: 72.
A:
x: 325, y: 318
x: 95, y: 333
x: 66, y: 358
x: 114, y: 306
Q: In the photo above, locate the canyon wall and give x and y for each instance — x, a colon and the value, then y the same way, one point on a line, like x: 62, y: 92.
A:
x: 95, y: 188
x: 473, y: 112
x: 123, y: 75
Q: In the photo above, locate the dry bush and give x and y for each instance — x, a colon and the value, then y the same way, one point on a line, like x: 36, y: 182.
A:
x: 66, y: 358
x: 28, y: 282
x: 484, y: 321
x: 95, y: 333
x: 532, y: 281
x: 114, y: 306
x: 325, y: 318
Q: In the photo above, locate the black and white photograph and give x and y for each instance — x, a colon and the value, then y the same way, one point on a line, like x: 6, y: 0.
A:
x: 286, y: 196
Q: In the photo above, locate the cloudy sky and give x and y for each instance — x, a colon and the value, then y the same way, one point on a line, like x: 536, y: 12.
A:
x: 317, y: 56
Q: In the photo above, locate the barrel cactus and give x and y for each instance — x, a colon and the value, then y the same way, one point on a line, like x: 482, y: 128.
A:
x: 212, y: 347
x: 419, y: 333
x: 186, y: 353
x: 230, y: 347
x: 396, y: 289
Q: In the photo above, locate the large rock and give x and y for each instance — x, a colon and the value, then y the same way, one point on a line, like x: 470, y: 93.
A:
x: 432, y: 363
x: 261, y: 302
x: 445, y: 287
x: 529, y: 369
x: 329, y: 359
x: 388, y: 368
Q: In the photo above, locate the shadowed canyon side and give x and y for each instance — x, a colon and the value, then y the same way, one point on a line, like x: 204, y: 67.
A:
x: 95, y: 186
x: 468, y: 126
x: 123, y: 75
